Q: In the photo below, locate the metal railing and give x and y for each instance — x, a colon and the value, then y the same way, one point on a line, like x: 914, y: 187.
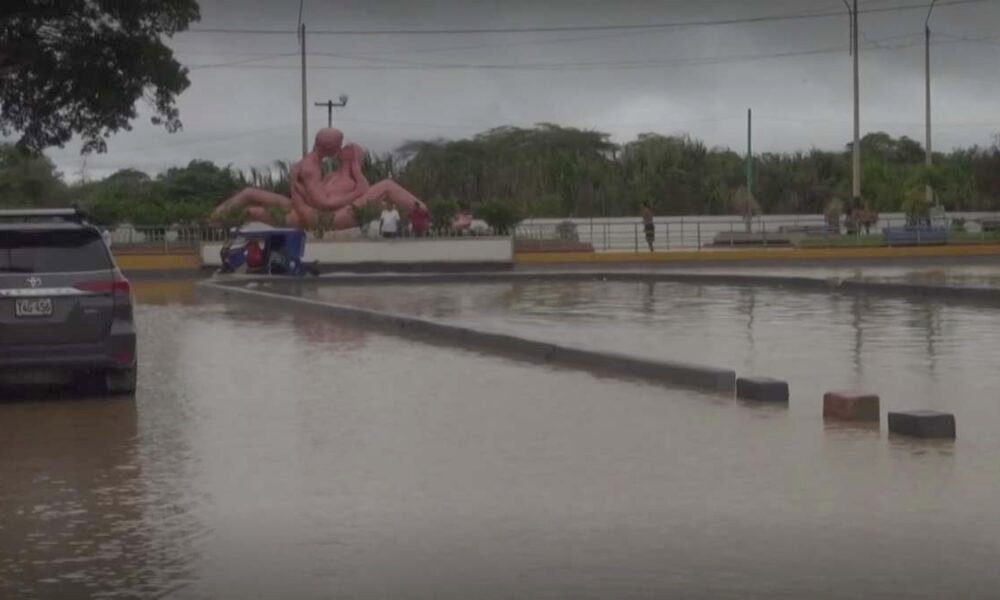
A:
x: 153, y: 238
x: 628, y: 234
x: 707, y: 233
x: 165, y: 239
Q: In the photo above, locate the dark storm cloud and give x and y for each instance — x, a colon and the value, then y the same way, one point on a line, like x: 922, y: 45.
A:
x: 796, y: 74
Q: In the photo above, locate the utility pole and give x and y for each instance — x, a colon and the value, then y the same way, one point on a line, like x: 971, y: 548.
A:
x: 330, y: 104
x: 929, y: 156
x: 856, y: 146
x: 305, y: 121
x: 855, y: 34
x: 749, y: 197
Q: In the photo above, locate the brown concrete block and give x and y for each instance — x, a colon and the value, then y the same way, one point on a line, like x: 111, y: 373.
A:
x: 851, y: 406
x: 927, y: 424
x: 762, y: 389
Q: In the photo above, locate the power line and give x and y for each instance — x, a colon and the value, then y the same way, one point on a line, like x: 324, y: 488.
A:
x: 405, y: 65
x: 581, y: 28
x: 245, y: 61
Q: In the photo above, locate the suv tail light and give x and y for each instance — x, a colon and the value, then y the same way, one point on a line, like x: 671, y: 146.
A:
x: 119, y: 287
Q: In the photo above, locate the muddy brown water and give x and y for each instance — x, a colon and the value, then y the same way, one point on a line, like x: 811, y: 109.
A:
x: 270, y: 455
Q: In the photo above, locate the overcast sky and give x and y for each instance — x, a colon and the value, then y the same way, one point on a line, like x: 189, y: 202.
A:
x: 697, y: 80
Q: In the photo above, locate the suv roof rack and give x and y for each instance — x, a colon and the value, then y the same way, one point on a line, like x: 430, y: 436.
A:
x: 34, y: 215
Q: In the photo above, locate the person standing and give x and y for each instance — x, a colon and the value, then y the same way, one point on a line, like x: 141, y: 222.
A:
x: 388, y: 224
x: 648, y: 226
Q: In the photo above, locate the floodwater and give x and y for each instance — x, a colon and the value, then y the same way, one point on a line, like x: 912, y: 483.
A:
x: 917, y: 354
x: 272, y: 455
x: 984, y: 274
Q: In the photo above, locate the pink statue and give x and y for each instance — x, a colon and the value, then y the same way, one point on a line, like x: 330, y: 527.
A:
x: 313, y: 194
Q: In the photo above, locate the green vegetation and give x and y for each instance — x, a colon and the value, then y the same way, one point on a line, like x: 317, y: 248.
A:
x: 443, y: 211
x: 79, y: 68
x: 502, y: 217
x: 551, y: 171
x: 365, y: 214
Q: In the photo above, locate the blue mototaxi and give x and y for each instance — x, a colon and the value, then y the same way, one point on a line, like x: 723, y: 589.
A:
x: 266, y: 251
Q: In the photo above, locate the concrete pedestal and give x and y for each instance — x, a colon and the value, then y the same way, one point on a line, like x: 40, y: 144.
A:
x: 762, y: 389
x: 928, y: 424
x: 851, y: 406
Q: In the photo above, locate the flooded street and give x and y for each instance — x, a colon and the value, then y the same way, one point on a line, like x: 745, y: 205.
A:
x: 917, y: 354
x: 274, y: 455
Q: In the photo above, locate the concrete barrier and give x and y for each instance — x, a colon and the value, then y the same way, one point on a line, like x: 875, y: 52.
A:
x: 762, y: 389
x: 928, y: 424
x: 851, y: 406
x: 466, y: 250
x: 675, y: 373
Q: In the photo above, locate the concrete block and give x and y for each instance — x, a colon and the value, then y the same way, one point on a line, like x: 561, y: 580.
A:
x: 923, y: 424
x: 851, y: 406
x: 762, y: 389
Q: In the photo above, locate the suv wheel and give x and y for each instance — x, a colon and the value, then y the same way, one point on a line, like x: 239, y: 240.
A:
x: 120, y: 382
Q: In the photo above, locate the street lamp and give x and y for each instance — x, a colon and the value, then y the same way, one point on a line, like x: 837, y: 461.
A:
x: 330, y: 104
x: 929, y: 157
x: 856, y: 163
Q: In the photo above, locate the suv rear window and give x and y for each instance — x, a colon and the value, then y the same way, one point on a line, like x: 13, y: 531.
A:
x: 53, y: 251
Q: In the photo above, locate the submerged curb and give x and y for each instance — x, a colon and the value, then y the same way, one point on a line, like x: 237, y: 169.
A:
x: 676, y: 373
x: 975, y: 295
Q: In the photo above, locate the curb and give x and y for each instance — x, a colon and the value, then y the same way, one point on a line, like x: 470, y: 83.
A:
x: 676, y: 373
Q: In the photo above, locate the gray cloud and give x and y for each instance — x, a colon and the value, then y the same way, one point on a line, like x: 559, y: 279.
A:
x: 796, y: 74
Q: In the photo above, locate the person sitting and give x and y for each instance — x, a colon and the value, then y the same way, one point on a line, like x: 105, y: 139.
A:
x: 277, y: 262
x: 254, y: 255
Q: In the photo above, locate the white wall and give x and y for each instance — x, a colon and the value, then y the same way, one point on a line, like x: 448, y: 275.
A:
x: 449, y: 250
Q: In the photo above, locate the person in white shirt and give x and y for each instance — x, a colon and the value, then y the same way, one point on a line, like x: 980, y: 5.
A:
x: 388, y: 224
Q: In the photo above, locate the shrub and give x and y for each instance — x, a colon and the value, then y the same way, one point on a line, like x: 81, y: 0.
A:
x: 365, y: 214
x: 278, y: 215
x: 502, y: 217
x: 443, y: 211
x: 324, y: 223
x: 234, y: 217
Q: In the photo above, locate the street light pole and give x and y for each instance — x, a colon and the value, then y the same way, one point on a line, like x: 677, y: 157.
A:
x: 857, y: 111
x: 330, y: 105
x: 856, y: 161
x: 305, y: 118
x: 749, y: 198
x: 929, y: 156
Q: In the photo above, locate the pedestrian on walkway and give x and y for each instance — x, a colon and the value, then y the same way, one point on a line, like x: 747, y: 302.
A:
x: 647, y: 224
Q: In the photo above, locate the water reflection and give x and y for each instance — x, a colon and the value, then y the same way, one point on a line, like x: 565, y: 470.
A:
x: 916, y: 353
x: 74, y: 499
x: 163, y: 292
x: 270, y: 454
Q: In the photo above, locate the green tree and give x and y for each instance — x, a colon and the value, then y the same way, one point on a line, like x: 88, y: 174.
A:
x: 501, y: 216
x: 27, y: 179
x: 78, y: 67
x: 443, y: 211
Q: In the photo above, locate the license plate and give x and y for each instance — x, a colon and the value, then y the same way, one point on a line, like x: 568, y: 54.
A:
x: 33, y: 307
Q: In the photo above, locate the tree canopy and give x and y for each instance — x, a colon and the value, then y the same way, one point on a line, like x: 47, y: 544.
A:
x: 551, y: 171
x: 78, y: 67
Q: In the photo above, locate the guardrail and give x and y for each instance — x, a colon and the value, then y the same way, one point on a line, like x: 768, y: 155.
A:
x: 628, y: 235
x: 153, y: 238
x: 165, y: 239
x: 619, y: 235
